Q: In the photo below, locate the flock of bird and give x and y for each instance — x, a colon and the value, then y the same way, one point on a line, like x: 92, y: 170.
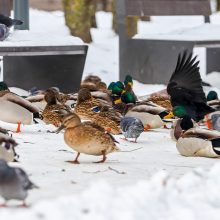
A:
x: 92, y: 116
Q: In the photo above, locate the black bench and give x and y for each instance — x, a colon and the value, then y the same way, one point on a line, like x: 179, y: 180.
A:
x: 29, y: 62
x: 44, y: 66
x: 152, y: 60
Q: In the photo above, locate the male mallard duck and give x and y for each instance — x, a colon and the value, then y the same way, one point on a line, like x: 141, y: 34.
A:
x: 87, y: 137
x: 15, y: 109
x: 197, y: 141
x: 54, y: 112
x: 185, y: 88
x: 150, y: 114
x: 180, y: 125
x: 7, y: 148
x: 89, y: 108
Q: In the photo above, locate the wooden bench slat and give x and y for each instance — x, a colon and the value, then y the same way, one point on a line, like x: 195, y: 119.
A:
x: 168, y: 7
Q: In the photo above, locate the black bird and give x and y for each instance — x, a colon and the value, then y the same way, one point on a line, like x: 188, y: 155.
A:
x: 9, y: 22
x: 185, y: 89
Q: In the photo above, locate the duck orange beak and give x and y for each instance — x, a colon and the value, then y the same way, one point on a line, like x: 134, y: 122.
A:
x: 170, y: 115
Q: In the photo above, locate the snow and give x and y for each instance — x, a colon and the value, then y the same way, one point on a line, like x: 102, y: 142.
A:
x: 152, y: 182
x: 205, y: 32
x: 53, y: 32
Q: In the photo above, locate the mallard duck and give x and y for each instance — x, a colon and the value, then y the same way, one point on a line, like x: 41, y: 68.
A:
x: 150, y: 114
x: 180, y: 125
x: 185, y: 88
x: 199, y: 142
x: 54, y: 112
x: 15, y: 109
x: 7, y: 148
x: 87, y: 137
x: 89, y: 108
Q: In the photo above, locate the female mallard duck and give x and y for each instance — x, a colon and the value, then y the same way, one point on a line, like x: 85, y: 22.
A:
x: 198, y: 142
x: 150, y: 114
x: 54, y: 112
x: 39, y: 101
x: 15, y: 109
x: 87, y: 137
x: 89, y: 108
x: 7, y: 148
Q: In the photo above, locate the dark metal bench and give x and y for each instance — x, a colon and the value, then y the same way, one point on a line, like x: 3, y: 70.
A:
x: 153, y: 60
x: 44, y: 66
x: 27, y: 65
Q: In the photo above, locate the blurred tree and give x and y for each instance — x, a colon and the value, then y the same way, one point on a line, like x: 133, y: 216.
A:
x: 79, y: 15
x: 218, y: 5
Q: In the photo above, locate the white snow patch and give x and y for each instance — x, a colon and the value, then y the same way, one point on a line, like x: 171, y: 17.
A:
x: 194, y: 196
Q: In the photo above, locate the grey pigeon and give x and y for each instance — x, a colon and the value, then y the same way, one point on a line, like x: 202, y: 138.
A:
x: 4, y: 32
x: 131, y: 127
x: 14, y: 183
x: 7, y: 148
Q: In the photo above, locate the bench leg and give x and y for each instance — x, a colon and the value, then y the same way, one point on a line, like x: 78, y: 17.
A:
x: 212, y: 59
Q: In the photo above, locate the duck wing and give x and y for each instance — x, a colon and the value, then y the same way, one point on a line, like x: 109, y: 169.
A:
x: 11, y: 97
x: 185, y: 85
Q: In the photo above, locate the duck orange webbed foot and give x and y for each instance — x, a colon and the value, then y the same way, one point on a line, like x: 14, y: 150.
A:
x: 18, y: 130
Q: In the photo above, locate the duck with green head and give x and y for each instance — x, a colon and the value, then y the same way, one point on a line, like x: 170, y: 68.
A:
x: 185, y: 88
x: 194, y: 141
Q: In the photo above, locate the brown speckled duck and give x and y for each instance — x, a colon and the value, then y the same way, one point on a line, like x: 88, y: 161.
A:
x: 54, y: 112
x: 87, y: 137
x: 89, y: 108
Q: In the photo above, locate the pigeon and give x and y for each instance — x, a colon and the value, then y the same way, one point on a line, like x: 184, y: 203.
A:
x: 7, y: 148
x: 185, y: 89
x: 4, y: 32
x: 131, y: 127
x: 14, y: 183
x: 9, y: 22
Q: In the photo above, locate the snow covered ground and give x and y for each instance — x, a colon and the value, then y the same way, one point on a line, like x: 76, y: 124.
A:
x: 151, y: 182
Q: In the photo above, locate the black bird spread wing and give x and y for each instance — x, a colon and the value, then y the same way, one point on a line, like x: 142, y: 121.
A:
x: 185, y: 87
x: 186, y: 81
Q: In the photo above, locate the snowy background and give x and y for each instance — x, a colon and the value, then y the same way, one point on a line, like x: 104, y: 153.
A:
x: 152, y: 182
